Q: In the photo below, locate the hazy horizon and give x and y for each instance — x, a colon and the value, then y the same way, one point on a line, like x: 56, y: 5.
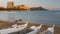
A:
x: 48, y: 4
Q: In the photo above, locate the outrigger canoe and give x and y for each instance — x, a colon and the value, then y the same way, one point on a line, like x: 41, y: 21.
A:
x: 35, y: 29
x: 50, y: 30
x: 13, y: 29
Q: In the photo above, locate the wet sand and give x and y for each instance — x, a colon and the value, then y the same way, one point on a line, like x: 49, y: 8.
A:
x: 6, y: 24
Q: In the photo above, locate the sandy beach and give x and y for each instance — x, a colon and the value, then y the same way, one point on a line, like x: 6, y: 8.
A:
x: 6, y: 24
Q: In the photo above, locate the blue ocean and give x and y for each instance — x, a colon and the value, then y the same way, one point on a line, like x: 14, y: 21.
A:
x: 39, y: 17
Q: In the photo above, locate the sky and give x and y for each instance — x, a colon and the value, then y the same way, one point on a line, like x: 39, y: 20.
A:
x: 48, y: 4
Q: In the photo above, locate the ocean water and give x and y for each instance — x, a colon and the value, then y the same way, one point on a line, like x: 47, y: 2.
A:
x: 39, y: 17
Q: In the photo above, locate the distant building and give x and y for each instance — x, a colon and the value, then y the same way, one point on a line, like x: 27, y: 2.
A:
x: 10, y: 5
x: 22, y: 7
x: 16, y: 7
